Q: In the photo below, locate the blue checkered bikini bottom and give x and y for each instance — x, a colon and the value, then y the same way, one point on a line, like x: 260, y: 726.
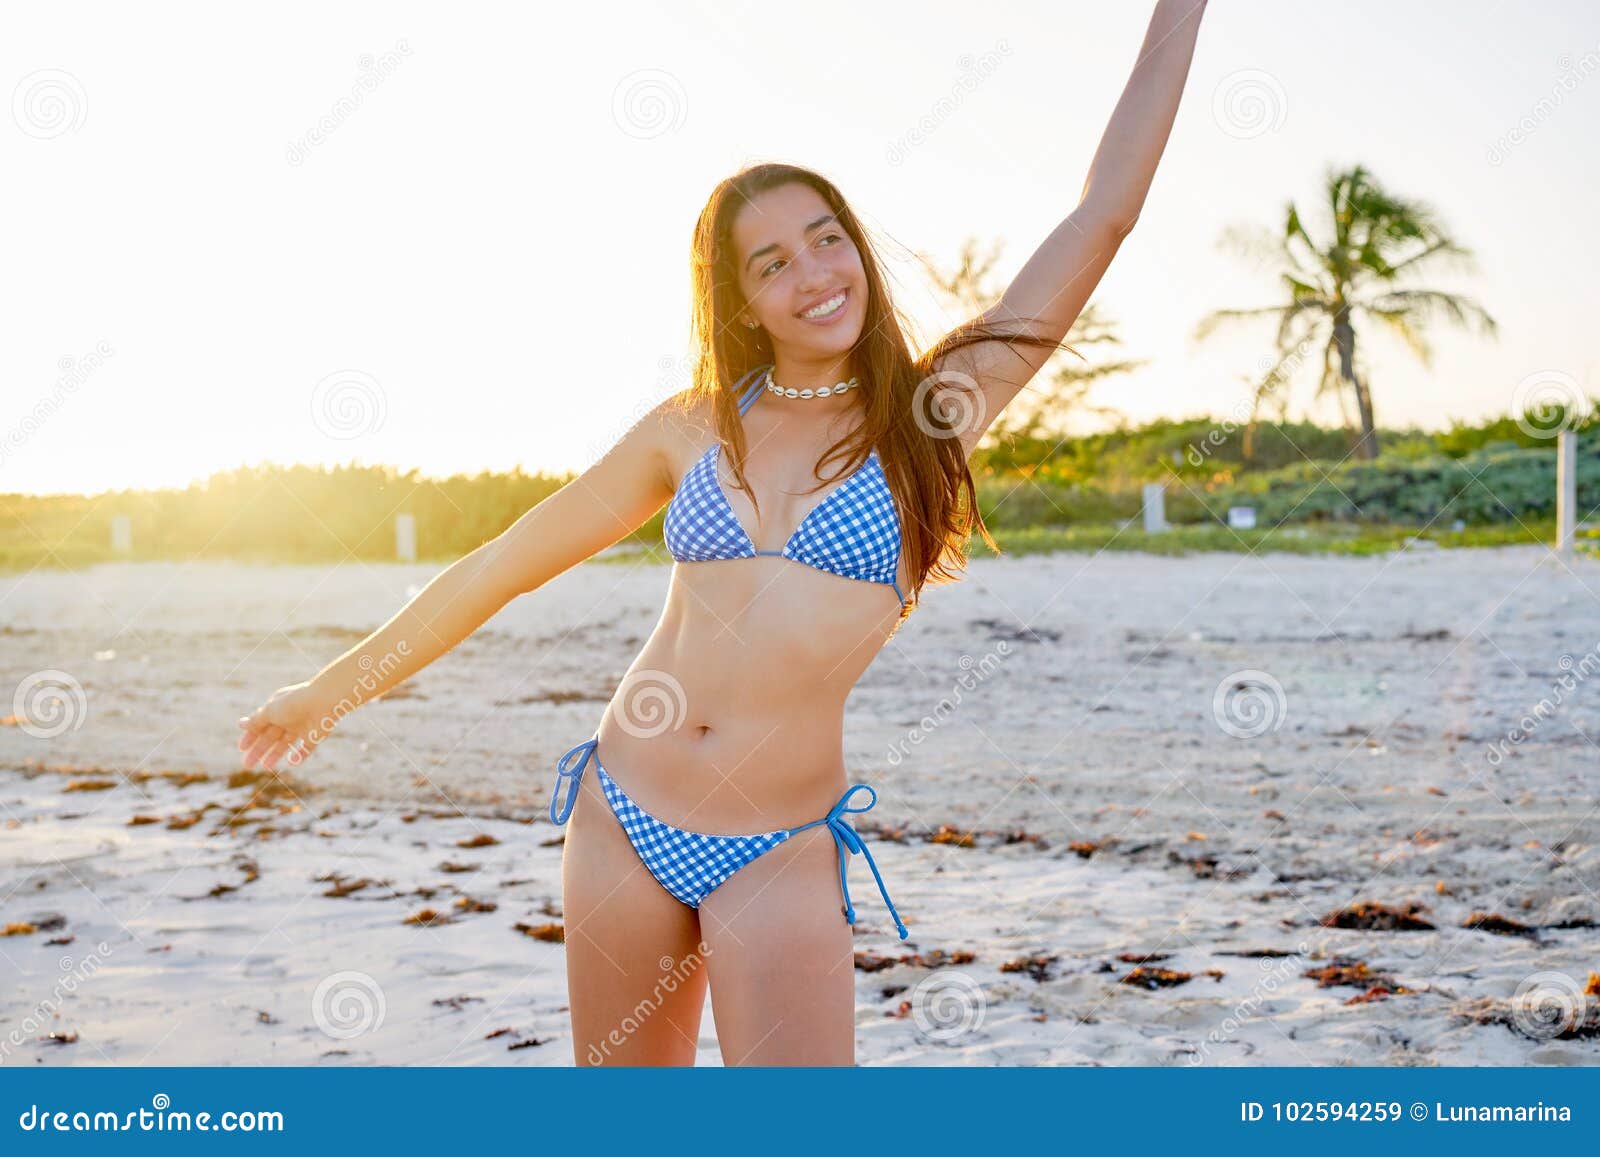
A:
x: 692, y: 865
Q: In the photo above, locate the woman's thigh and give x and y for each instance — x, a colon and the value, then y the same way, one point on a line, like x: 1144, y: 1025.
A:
x: 781, y: 958
x: 636, y: 972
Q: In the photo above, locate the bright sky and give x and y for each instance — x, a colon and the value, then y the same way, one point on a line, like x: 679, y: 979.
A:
x: 485, y: 262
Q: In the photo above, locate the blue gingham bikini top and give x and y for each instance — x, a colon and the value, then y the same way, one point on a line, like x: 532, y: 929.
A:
x: 854, y: 532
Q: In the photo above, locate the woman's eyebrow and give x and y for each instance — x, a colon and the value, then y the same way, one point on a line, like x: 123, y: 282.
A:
x: 817, y: 224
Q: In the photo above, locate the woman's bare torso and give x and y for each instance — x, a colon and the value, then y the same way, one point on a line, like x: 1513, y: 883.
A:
x: 730, y: 720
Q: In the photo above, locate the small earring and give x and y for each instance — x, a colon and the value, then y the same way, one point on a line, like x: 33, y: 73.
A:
x: 749, y: 324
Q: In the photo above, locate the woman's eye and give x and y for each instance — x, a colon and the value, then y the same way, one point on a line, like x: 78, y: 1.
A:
x: 828, y: 237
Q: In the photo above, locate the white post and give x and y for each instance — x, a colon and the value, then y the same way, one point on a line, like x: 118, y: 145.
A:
x: 1155, y: 509
x: 405, y: 537
x: 1566, y: 491
x: 121, y: 534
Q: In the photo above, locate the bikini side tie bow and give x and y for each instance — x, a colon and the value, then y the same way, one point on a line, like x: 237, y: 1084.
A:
x: 848, y: 840
x: 565, y: 770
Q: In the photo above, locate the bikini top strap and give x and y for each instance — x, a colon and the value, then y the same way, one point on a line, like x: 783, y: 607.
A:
x: 758, y: 382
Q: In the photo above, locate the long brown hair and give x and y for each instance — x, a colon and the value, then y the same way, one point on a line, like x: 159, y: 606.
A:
x: 906, y: 400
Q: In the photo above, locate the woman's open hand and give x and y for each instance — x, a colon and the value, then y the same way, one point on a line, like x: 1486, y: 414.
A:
x: 293, y: 720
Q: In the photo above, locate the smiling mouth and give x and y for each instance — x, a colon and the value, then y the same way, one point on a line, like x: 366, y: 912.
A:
x: 827, y: 308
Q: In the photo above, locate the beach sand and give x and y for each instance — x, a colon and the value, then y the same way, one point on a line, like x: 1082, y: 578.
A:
x: 1123, y: 799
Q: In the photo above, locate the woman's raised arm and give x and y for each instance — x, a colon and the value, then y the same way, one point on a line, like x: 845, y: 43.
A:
x: 611, y: 499
x: 1053, y: 286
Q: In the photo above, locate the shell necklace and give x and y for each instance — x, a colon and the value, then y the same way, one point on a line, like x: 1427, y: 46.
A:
x: 819, y: 392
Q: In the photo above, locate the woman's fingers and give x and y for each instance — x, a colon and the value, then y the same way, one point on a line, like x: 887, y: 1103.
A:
x: 264, y: 740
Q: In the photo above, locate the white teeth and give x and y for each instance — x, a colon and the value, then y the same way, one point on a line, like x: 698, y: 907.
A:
x: 832, y: 305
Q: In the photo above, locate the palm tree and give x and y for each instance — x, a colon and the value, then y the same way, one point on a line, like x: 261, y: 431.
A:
x: 1365, y: 269
x: 1065, y: 384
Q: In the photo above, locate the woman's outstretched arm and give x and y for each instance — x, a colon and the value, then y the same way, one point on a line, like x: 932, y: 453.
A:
x: 1053, y: 286
x: 609, y: 500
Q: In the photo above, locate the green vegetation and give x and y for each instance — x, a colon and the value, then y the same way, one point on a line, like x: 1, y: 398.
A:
x: 1309, y: 493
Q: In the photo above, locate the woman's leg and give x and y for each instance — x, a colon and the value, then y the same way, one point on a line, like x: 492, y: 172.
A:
x: 636, y: 974
x: 781, y: 958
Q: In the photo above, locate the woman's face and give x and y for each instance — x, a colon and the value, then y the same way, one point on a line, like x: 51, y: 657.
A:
x: 800, y: 272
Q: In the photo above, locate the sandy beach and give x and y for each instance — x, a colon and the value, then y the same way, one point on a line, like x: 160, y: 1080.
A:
x: 1218, y: 809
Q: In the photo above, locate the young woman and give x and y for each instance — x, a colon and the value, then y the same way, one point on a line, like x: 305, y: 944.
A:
x: 817, y: 478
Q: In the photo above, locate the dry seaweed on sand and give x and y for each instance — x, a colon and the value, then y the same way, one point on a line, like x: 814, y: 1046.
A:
x: 1372, y: 916
x: 1041, y: 967
x: 1499, y: 925
x: 427, y: 918
x: 551, y: 933
x: 1154, y: 978
x: 935, y: 958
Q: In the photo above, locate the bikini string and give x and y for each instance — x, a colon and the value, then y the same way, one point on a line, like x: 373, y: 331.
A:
x: 565, y: 770
x: 845, y: 838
